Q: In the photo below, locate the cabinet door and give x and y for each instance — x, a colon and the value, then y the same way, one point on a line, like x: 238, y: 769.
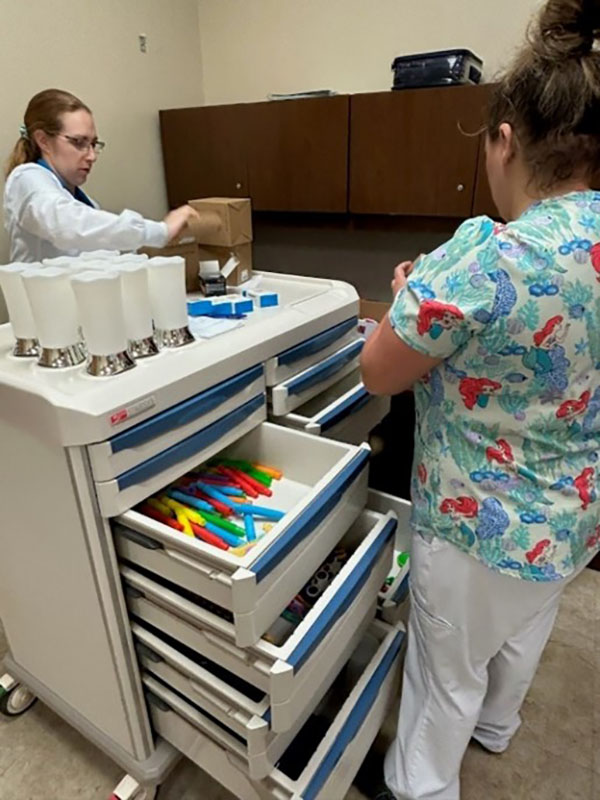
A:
x: 409, y: 152
x: 298, y: 154
x: 204, y: 152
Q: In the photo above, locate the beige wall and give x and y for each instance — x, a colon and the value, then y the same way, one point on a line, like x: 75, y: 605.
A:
x: 91, y: 48
x: 253, y: 47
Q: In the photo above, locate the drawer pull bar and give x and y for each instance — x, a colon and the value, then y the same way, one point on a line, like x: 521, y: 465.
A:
x: 343, y: 599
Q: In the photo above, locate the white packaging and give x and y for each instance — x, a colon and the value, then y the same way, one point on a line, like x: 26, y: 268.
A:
x: 102, y: 255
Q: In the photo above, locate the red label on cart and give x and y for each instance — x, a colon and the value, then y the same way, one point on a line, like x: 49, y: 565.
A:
x: 123, y: 414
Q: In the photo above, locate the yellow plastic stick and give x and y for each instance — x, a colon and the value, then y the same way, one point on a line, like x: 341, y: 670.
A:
x: 242, y: 549
x: 159, y: 506
x: 185, y: 523
x: 180, y: 508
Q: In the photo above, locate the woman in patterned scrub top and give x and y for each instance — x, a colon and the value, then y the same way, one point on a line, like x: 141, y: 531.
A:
x: 499, y: 331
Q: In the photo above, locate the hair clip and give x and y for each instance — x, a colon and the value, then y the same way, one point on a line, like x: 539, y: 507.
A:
x: 24, y: 132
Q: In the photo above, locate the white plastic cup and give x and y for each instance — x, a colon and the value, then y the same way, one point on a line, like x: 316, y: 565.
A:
x: 62, y: 262
x: 17, y: 302
x: 136, y: 300
x: 98, y: 255
x: 100, y: 305
x: 132, y: 258
x: 53, y: 306
x: 166, y: 280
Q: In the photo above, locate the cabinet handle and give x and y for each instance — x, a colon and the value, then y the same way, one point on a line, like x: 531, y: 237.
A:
x: 238, y: 186
x: 460, y: 187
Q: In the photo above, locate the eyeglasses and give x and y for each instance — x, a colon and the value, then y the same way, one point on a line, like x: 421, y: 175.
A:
x: 82, y: 143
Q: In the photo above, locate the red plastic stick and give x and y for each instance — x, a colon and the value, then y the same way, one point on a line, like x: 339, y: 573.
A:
x: 208, y: 537
x: 258, y: 486
x: 154, y: 513
x: 239, y: 481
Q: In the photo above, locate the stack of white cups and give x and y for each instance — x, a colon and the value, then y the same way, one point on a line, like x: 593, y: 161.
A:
x: 168, y: 300
x: 100, y: 304
x: 55, y: 313
x: 136, y: 308
x: 19, y: 310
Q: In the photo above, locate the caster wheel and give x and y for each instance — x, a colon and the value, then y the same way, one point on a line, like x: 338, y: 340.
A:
x: 16, y: 701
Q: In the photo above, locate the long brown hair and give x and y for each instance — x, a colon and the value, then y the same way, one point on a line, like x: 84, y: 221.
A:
x: 551, y: 94
x: 44, y: 112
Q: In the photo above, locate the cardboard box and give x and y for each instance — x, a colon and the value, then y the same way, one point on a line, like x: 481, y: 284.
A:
x: 243, y: 253
x: 373, y: 309
x: 188, y: 251
x: 235, y: 216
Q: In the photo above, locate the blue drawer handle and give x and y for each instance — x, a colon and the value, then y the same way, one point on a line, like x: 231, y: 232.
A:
x: 351, y: 405
x: 354, y: 721
x: 181, y: 414
x: 316, y: 343
x: 325, y: 369
x: 191, y: 446
x: 343, y: 600
x: 303, y: 526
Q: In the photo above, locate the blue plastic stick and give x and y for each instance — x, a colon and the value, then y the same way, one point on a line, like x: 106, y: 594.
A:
x: 215, y: 493
x: 249, y: 526
x: 188, y: 500
x: 260, y: 511
x: 229, y: 490
x: 229, y: 538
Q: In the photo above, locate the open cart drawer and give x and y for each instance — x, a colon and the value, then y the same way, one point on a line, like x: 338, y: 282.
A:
x: 321, y: 762
x: 300, y: 388
x: 344, y: 411
x: 290, y: 669
x: 322, y: 491
x: 394, y: 600
x: 311, y: 351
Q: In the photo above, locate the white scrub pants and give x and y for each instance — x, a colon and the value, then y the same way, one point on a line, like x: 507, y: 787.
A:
x: 474, y: 643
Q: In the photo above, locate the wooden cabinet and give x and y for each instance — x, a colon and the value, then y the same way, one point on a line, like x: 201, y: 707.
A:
x: 414, y: 152
x: 297, y: 153
x: 285, y: 156
x: 204, y: 152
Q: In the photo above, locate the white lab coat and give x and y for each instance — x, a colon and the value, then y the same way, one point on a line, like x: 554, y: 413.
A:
x: 44, y: 220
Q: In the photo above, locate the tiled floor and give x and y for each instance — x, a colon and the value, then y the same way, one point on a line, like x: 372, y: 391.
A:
x: 555, y: 756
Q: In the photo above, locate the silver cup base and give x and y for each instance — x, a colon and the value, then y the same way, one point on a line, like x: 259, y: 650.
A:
x: 62, y: 357
x: 26, y: 348
x: 105, y: 366
x: 142, y: 348
x: 175, y: 337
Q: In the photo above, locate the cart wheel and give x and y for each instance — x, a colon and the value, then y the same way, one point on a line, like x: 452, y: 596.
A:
x: 16, y: 701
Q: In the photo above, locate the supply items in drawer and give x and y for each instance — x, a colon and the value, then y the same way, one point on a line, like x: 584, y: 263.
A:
x: 400, y: 570
x: 321, y: 759
x: 214, y: 503
x: 321, y: 491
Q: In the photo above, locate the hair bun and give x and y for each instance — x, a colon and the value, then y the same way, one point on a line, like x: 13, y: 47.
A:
x: 566, y: 29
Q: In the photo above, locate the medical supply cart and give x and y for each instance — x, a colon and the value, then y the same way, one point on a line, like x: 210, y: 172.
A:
x: 151, y: 643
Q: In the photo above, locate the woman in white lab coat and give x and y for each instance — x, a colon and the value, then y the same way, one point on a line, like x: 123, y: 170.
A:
x: 46, y: 212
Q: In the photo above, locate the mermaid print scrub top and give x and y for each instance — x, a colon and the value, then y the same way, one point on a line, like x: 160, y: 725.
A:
x: 508, y: 425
